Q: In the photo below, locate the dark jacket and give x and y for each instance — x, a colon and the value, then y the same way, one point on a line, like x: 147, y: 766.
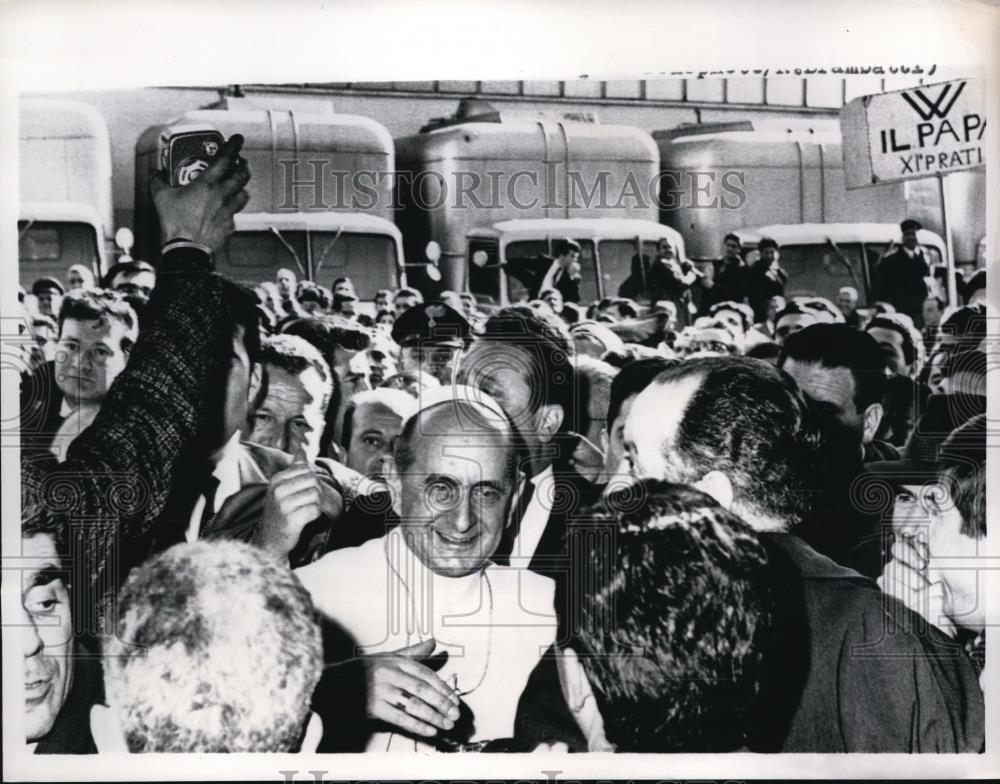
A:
x: 899, y: 280
x: 732, y: 281
x: 120, y: 471
x: 41, y: 404
x: 853, y: 670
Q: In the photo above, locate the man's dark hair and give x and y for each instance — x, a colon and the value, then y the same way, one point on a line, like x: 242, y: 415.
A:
x: 765, y: 351
x: 748, y: 420
x: 307, y: 291
x: 243, y: 303
x: 338, y: 281
x: 968, y: 324
x: 674, y: 619
x: 328, y: 334
x: 38, y: 520
x: 823, y: 306
x: 632, y: 379
x: 294, y: 355
x: 387, y: 293
x: 626, y: 307
x: 841, y: 346
x: 93, y: 304
x: 547, y: 342
x: 745, y: 311
x: 127, y: 268
x: 408, y: 292
x: 735, y: 238
x: 340, y: 299
x: 792, y: 308
x: 46, y: 284
x: 962, y: 467
x: 562, y: 247
x: 887, y: 322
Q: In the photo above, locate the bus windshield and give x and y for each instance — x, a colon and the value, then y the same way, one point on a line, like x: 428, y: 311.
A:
x: 369, y: 260
x: 817, y: 270
x: 50, y: 248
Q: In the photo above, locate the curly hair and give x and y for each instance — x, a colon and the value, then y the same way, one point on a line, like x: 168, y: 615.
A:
x: 675, y: 614
x: 215, y: 649
x: 294, y: 355
x: 94, y: 304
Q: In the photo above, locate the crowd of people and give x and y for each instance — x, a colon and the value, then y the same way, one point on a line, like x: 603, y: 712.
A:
x: 257, y: 518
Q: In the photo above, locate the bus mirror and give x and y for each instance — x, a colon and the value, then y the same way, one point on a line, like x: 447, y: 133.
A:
x: 433, y: 252
x: 433, y: 272
x: 480, y: 258
x: 124, y: 239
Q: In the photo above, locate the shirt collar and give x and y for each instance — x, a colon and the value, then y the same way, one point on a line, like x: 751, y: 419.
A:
x: 541, y: 477
x: 227, y: 470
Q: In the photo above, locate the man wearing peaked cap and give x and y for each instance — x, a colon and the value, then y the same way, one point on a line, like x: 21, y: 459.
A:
x: 431, y: 336
x: 900, y: 278
x: 48, y: 292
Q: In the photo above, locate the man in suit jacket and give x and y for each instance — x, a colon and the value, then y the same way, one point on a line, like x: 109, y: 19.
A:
x: 564, y: 273
x: 900, y: 277
x: 120, y: 471
x: 523, y: 360
x: 850, y: 669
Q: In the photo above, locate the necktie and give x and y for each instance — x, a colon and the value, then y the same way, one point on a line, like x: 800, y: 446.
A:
x: 502, y: 555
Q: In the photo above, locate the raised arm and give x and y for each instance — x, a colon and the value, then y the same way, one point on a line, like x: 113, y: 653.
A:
x: 118, y: 473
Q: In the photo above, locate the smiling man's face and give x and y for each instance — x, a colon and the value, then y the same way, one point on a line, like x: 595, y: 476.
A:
x: 455, y: 496
x: 48, y: 637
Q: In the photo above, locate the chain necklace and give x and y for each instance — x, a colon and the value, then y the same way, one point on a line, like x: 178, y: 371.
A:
x: 412, y: 608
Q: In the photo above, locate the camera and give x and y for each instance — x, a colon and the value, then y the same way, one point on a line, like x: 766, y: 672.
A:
x: 186, y: 152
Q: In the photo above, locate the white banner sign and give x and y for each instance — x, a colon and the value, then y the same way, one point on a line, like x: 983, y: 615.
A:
x: 916, y: 132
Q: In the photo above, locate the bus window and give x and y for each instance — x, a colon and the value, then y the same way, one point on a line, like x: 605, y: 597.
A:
x: 526, y: 264
x: 588, y: 272
x: 369, y: 260
x: 816, y: 270
x: 258, y: 255
x: 616, y: 264
x: 484, y: 278
x: 49, y: 249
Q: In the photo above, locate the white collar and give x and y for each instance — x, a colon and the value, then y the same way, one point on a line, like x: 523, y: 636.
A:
x: 541, y: 476
x: 227, y: 470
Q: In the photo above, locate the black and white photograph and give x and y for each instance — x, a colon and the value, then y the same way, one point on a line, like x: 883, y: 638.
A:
x: 625, y: 415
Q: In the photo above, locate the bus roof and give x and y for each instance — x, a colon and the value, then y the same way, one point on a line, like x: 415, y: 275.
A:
x: 578, y: 228
x: 350, y: 222
x: 62, y: 212
x: 813, y: 233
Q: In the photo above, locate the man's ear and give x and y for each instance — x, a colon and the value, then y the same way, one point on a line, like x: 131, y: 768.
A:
x: 394, y: 482
x: 548, y: 422
x: 717, y: 485
x: 106, y: 731
x: 314, y: 734
x: 872, y: 418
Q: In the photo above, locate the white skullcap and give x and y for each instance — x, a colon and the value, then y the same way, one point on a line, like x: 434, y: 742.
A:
x: 462, y: 394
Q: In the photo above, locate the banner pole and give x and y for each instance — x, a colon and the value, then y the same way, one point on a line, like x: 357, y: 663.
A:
x: 949, y: 248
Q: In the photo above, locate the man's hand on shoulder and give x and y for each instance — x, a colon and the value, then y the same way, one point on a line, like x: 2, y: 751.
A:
x: 202, y: 211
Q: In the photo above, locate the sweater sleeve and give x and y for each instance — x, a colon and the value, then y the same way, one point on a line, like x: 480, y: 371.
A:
x: 119, y: 472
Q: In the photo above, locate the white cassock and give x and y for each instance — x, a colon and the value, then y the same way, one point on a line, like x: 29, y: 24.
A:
x: 387, y: 599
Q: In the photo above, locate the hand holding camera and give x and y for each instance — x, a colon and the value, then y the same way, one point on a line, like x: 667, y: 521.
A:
x: 202, y: 210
